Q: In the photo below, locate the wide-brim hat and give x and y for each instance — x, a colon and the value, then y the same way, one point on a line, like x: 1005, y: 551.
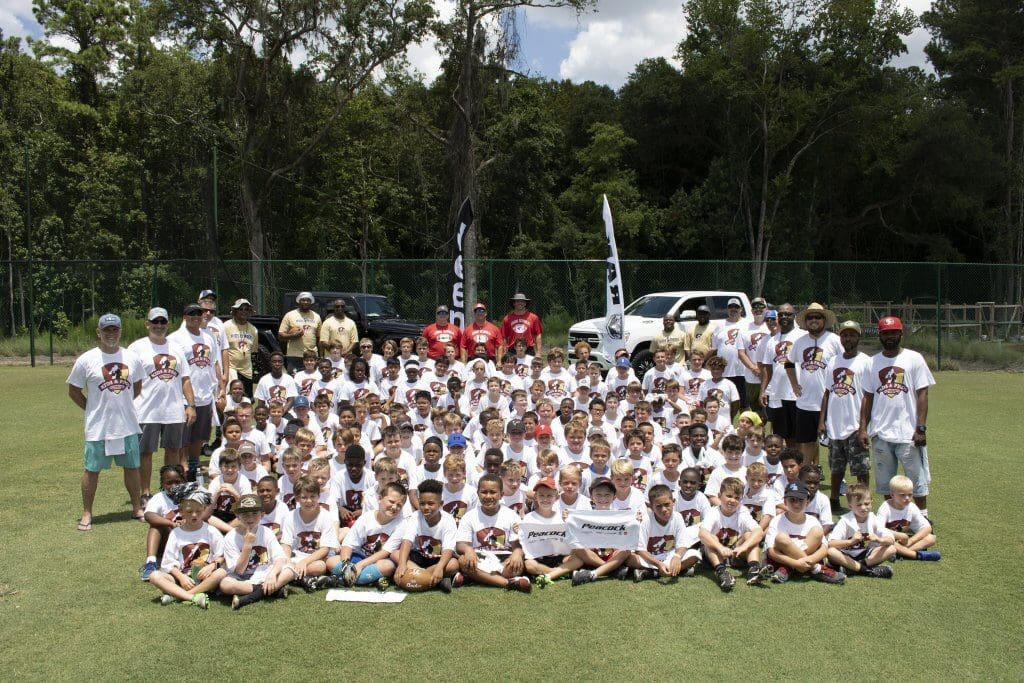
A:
x: 519, y: 296
x: 830, y: 317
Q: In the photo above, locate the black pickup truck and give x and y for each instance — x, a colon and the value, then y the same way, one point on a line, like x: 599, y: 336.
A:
x: 373, y: 315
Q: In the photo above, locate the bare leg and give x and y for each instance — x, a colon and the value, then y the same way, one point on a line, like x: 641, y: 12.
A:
x: 131, y: 482
x: 89, y: 482
x: 145, y: 471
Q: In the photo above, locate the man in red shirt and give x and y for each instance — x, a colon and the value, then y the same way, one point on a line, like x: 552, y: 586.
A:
x: 521, y: 323
x: 481, y: 331
x: 441, y: 332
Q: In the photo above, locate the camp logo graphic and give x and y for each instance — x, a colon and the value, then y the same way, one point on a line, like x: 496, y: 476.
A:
x: 200, y: 356
x: 353, y: 499
x: 360, y: 393
x: 556, y: 388
x: 258, y: 556
x: 308, y: 541
x: 522, y: 370
x: 657, y: 545
x: 658, y: 385
x: 444, y: 336
x: 691, y: 517
x: 715, y: 393
x: 730, y: 336
x: 276, y: 391
x: 900, y: 525
x: 275, y: 528
x: 438, y: 389
x: 506, y: 387
x: 755, y: 510
x: 115, y: 378
x: 812, y: 361
x: 173, y: 515
x: 892, y: 381
x: 475, y: 395
x: 224, y: 501
x: 373, y: 543
x: 428, y: 546
x: 194, y: 554
x: 728, y: 537
x: 324, y: 391
x: 306, y: 386
x: 621, y: 391
x: 456, y: 508
x: 289, y: 500
x: 519, y: 326
x: 491, y: 538
x: 693, y: 386
x: 842, y: 382
x: 755, y: 339
x: 772, y: 478
x: 640, y: 478
x: 782, y: 351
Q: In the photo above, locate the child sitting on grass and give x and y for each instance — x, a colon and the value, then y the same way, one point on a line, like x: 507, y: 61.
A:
x: 257, y: 566
x: 795, y: 540
x: 192, y: 557
x: 912, y: 530
x: 859, y: 542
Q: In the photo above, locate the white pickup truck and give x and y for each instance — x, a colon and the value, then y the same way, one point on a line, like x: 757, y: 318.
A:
x: 643, y: 320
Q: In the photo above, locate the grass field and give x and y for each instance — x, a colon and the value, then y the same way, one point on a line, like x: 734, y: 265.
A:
x: 72, y: 606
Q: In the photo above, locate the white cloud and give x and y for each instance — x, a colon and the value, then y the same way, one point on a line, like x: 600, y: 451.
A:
x: 16, y: 18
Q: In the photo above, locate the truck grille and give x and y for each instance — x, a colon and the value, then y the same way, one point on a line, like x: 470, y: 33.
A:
x: 591, y: 338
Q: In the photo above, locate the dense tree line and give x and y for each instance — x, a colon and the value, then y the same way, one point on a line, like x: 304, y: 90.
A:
x: 785, y: 133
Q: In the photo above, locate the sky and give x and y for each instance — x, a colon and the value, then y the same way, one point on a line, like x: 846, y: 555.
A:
x: 602, y: 45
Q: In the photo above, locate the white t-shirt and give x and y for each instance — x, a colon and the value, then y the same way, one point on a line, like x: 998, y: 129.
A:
x: 429, y: 541
x: 848, y: 525
x: 820, y: 508
x: 655, y: 380
x: 908, y: 521
x: 750, y: 341
x: 187, y: 548
x: 160, y: 504
x: 660, y: 539
x: 347, y: 493
x: 281, y: 388
x: 265, y: 551
x: 107, y: 379
x: 558, y: 385
x: 845, y: 378
x: 274, y: 520
x: 761, y: 503
x: 223, y: 501
x: 201, y: 356
x: 776, y: 354
x: 718, y: 475
x: 726, y: 342
x: 162, y: 400
x: 811, y: 355
x: 305, y: 538
x: 797, y: 532
x: 368, y: 535
x: 729, y: 528
x: 695, y: 510
x: 635, y: 501
x: 726, y: 392
x: 894, y: 383
x: 495, y: 533
x: 458, y: 503
x: 690, y: 383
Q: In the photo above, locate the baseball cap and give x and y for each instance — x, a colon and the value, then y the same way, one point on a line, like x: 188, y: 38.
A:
x: 546, y: 481
x: 192, y: 308
x: 304, y: 295
x: 479, y: 307
x: 456, y: 439
x: 157, y: 312
x: 890, y: 322
x: 109, y: 320
x: 405, y: 426
x: 442, y: 309
x: 207, y: 294
x: 250, y: 502
x: 584, y: 384
x: 239, y: 303
x: 771, y: 314
x: 796, y: 489
x: 850, y: 325
x: 394, y: 360
x: 703, y: 309
x: 622, y: 362
x: 246, y: 447
x: 734, y: 302
x: 541, y: 430
x: 300, y: 402
x: 758, y: 301
x: 516, y: 427
x: 292, y: 428
x: 602, y: 481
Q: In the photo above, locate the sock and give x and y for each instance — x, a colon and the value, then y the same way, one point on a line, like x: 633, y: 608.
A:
x: 924, y: 512
x: 368, y: 576
x: 257, y: 594
x: 338, y: 568
x: 150, y: 558
x: 816, y: 569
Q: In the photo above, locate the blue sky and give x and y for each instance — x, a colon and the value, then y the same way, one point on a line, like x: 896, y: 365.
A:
x: 602, y: 45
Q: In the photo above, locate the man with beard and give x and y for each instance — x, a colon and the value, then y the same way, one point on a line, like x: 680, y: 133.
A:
x: 703, y: 330
x: 840, y: 411
x: 895, y: 412
x: 776, y: 392
x: 671, y: 335
x: 338, y: 328
x: 749, y: 351
x: 725, y: 343
x: 808, y: 358
x: 298, y: 330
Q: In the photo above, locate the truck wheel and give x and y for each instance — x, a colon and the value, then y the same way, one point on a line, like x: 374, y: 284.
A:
x: 642, y: 362
x: 261, y: 363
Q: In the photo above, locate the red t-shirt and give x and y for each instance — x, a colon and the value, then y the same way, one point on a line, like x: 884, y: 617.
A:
x: 488, y: 334
x: 526, y: 326
x: 439, y: 337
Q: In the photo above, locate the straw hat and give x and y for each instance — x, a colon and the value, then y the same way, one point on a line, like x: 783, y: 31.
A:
x: 830, y: 317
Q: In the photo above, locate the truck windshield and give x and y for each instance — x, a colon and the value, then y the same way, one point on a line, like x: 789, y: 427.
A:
x: 651, y: 306
x: 376, y: 307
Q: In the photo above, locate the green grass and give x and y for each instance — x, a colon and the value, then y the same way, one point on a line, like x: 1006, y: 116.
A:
x: 71, y: 604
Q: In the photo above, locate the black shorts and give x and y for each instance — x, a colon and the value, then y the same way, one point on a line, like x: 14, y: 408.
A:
x: 200, y: 429
x: 806, y: 429
x: 421, y: 560
x: 783, y: 419
x: 740, y: 381
x: 549, y: 560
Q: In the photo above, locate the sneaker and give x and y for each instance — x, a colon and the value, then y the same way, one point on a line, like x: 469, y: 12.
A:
x: 236, y: 602
x: 519, y: 583
x: 691, y: 571
x: 622, y: 573
x: 582, y: 576
x: 929, y: 555
x: 881, y: 571
x: 383, y: 583
x: 282, y: 593
x: 829, y: 575
x: 348, y: 575
x: 780, y: 575
x: 146, y: 570
x: 757, y: 575
x: 168, y: 600
x: 644, y: 575
x: 543, y: 581
x: 329, y: 581
x: 310, y: 583
x: 458, y: 581
x: 201, y: 600
x: 725, y: 580
x: 445, y: 585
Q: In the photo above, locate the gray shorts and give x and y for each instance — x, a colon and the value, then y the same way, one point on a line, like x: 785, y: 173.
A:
x: 843, y: 452
x: 158, y: 435
x: 200, y: 429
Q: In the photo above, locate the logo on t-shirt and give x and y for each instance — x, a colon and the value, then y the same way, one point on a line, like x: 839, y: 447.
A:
x: 693, y: 386
x: 115, y: 378
x: 755, y: 339
x: 200, y: 356
x: 456, y: 509
x: 428, y: 546
x: 165, y: 367
x: 519, y: 326
x: 257, y: 557
x: 276, y: 391
x: 194, y: 554
x: 728, y: 537
x: 309, y: 541
x: 556, y: 388
x: 658, y: 385
x: 306, y: 386
x: 353, y: 499
x: 522, y: 370
x: 782, y: 351
x: 373, y: 543
x: 812, y: 359
x: 491, y: 538
x: 640, y: 478
x: 892, y: 381
x: 730, y: 336
x: 842, y: 382
x: 275, y: 528
x: 657, y: 545
x: 716, y: 394
x: 691, y: 517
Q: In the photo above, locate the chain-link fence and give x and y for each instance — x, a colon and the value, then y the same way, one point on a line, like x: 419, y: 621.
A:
x: 976, y: 301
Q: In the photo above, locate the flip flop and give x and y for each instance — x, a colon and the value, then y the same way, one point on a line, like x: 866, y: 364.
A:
x: 84, y: 526
x: 141, y: 517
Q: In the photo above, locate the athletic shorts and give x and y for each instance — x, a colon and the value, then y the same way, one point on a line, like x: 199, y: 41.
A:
x: 551, y: 561
x: 783, y: 419
x: 848, y: 451
x: 200, y: 429
x: 806, y: 428
x: 753, y: 394
x: 857, y: 554
x: 421, y: 560
x: 740, y: 382
x: 158, y: 435
x: 96, y: 459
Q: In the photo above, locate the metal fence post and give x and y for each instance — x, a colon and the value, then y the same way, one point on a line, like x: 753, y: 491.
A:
x: 938, y: 316
x: 490, y: 285
x: 31, y: 281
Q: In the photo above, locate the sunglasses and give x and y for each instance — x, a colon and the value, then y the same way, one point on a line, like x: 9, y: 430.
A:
x: 159, y: 321
x: 814, y: 317
x: 195, y: 314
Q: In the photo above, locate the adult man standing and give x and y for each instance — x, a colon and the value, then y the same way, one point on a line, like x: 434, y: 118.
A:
x: 725, y: 343
x: 749, y: 350
x: 703, y: 330
x: 776, y: 391
x: 298, y: 331
x: 205, y: 373
x: 895, y: 412
x: 480, y: 331
x: 521, y: 324
x: 670, y: 335
x: 103, y: 382
x: 166, y: 403
x: 242, y: 336
x: 208, y: 301
x: 840, y: 411
x: 808, y: 359
x: 440, y: 333
x: 338, y: 328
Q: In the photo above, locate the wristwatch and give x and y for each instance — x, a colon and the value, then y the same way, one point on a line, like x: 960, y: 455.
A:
x: 921, y: 429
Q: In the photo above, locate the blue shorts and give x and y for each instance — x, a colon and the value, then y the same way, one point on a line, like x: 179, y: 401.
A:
x: 96, y: 458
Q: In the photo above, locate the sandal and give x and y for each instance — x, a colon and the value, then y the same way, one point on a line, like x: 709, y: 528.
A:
x: 139, y: 516
x: 84, y: 526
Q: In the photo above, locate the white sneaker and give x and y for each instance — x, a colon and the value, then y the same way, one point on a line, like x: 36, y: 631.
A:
x: 168, y: 600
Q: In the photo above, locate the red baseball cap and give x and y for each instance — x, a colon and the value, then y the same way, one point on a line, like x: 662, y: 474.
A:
x: 546, y: 481
x: 543, y: 429
x: 890, y: 322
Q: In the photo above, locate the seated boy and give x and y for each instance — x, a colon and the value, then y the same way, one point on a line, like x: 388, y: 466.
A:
x: 859, y: 542
x: 549, y: 568
x: 732, y: 537
x: 757, y: 497
x: 909, y: 526
x: 663, y: 549
x: 795, y: 541
x: 257, y: 566
x: 598, y: 562
x: 162, y: 515
x: 363, y: 559
x: 423, y: 549
x: 192, y: 557
x: 309, y: 537
x: 487, y: 541
x: 225, y: 491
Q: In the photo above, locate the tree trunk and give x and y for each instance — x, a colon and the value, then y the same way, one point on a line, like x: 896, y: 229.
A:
x: 464, y: 158
x: 254, y: 234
